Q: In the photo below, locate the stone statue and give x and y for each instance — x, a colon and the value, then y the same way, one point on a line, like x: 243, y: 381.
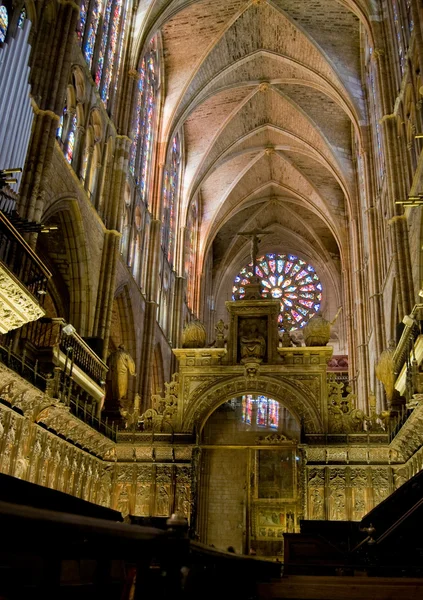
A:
x: 385, y: 371
x: 253, y: 343
x: 121, y: 365
x: 220, y: 333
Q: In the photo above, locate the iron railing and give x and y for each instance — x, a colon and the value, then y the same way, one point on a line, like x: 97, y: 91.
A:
x: 21, y: 260
x: 61, y: 386
x: 55, y: 333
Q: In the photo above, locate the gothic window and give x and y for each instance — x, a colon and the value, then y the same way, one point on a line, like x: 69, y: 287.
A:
x: 66, y: 132
x: 267, y: 411
x: 22, y: 18
x: 399, y: 35
x: 70, y: 143
x: 170, y: 198
x: 287, y: 278
x: 374, y: 106
x: 100, y: 32
x: 409, y: 16
x: 4, y: 23
x: 59, y: 130
x: 191, y: 252
x: 144, y: 119
x: 247, y: 409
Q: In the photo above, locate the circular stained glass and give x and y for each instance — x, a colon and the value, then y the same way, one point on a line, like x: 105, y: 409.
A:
x: 287, y: 278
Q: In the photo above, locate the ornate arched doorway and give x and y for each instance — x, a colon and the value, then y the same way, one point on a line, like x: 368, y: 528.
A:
x: 248, y: 489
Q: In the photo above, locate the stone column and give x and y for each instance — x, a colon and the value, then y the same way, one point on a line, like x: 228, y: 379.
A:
x: 152, y: 285
x: 120, y: 168
x: 50, y: 64
x: 106, y: 288
x: 178, y: 300
x: 360, y: 312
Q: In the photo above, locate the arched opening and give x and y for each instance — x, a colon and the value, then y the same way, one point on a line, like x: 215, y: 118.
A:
x: 248, y: 495
x: 69, y: 287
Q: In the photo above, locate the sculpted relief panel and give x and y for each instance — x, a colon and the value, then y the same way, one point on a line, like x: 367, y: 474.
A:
x: 345, y: 493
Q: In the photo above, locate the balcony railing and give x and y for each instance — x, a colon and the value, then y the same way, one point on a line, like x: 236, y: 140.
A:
x: 56, y: 334
x: 7, y: 203
x: 21, y: 260
x: 60, y: 386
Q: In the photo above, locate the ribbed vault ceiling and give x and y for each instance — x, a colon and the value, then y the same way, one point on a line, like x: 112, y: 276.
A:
x: 269, y: 97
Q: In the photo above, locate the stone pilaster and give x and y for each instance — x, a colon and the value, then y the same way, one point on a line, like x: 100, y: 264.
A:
x: 106, y: 288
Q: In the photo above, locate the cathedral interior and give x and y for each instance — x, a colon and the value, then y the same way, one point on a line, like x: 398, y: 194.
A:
x: 211, y: 275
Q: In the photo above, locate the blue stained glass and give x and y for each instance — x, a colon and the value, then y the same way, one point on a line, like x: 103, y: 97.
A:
x: 170, y: 192
x: 292, y: 257
x: 4, y: 23
x: 22, y: 18
x: 82, y: 21
x: 144, y: 120
x: 70, y: 144
x: 92, y: 33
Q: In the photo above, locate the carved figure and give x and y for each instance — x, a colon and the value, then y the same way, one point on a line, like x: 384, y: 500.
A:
x: 253, y: 344
x: 121, y: 365
x: 163, y: 502
x: 385, y: 371
x: 123, y: 502
x: 316, y: 503
x: 255, y: 240
x: 220, y: 333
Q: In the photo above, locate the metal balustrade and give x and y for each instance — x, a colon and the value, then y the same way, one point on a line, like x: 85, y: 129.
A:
x: 21, y: 260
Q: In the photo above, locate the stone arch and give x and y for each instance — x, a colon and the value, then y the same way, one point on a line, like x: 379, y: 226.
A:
x: 202, y: 403
x: 66, y: 253
x: 123, y: 327
x: 79, y: 83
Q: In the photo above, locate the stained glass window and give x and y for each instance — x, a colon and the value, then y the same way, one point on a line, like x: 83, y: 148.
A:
x: 93, y: 22
x: 59, y: 130
x: 247, y: 409
x: 110, y: 50
x: 191, y: 252
x: 287, y: 278
x: 374, y: 111
x: 100, y: 32
x: 144, y: 119
x: 399, y: 34
x: 267, y: 414
x: 70, y: 144
x: 170, y: 193
x: 22, y: 17
x: 409, y: 16
x: 4, y: 23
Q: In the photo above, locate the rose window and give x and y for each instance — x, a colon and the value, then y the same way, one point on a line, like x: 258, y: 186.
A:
x: 287, y: 278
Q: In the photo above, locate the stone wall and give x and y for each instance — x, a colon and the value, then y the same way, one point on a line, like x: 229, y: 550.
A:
x: 223, y: 498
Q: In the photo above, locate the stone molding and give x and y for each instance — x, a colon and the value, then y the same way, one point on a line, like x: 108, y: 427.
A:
x: 39, y: 407
x: 17, y: 305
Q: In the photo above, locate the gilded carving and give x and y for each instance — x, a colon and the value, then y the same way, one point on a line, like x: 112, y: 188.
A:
x: 163, y: 414
x: 380, y: 483
x: 337, y: 495
x: 17, y: 305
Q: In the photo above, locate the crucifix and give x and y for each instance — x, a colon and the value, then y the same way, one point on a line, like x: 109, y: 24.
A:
x: 254, y: 234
